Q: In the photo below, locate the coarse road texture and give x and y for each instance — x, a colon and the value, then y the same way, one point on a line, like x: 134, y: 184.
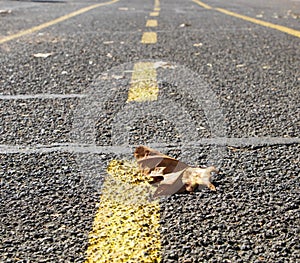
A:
x: 210, y: 83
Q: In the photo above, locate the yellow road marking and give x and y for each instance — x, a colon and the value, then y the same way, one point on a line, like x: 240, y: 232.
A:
x: 149, y: 38
x: 156, y: 9
x: 202, y: 4
x: 262, y: 23
x: 154, y: 13
x: 144, y: 85
x: 156, y: 3
x: 126, y: 226
x: 151, y: 23
x: 53, y: 22
x: 284, y: 29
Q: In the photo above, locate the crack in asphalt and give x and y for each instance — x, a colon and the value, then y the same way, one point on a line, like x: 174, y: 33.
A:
x: 42, y: 96
x: 252, y: 142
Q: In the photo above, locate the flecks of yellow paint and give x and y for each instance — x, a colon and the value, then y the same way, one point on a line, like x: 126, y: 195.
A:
x: 151, y: 23
x: 126, y: 226
x: 127, y: 172
x: 144, y: 85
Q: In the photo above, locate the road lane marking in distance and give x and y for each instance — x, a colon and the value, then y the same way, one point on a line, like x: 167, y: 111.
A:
x: 284, y: 29
x: 154, y: 13
x: 149, y: 38
x: 126, y: 225
x: 144, y: 85
x: 156, y: 9
x: 53, y: 22
x: 156, y: 3
x: 202, y: 4
x: 151, y: 23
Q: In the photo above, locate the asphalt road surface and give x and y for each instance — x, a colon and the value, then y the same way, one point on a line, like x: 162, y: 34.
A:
x: 211, y: 83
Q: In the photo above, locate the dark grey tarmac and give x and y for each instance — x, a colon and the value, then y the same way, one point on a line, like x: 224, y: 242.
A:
x: 229, y: 96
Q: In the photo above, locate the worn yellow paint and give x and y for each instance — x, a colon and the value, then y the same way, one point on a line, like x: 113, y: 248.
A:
x: 53, y: 22
x: 284, y: 29
x: 126, y: 226
x: 154, y: 14
x: 151, y: 23
x: 149, y: 38
x: 156, y: 9
x: 202, y: 4
x: 144, y: 85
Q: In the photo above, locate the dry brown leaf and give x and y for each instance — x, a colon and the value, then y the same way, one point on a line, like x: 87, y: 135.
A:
x: 171, y: 175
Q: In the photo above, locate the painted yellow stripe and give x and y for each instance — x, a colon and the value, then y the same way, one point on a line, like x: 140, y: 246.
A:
x: 151, y: 23
x: 262, y: 23
x: 202, y: 4
x: 284, y: 29
x: 53, y: 22
x: 154, y: 13
x: 144, y: 85
x: 149, y: 38
x: 156, y: 3
x: 126, y: 226
x: 156, y: 9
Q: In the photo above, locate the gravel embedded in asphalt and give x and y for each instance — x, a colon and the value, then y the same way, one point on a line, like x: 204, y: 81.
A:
x: 253, y: 216
x: 36, y: 121
x: 48, y: 205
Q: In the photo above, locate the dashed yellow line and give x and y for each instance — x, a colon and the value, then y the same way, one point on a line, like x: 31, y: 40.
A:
x: 144, y: 85
x: 284, y: 29
x: 151, y: 23
x: 156, y: 3
x: 154, y: 14
x: 53, y: 22
x: 126, y: 226
x: 149, y: 38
